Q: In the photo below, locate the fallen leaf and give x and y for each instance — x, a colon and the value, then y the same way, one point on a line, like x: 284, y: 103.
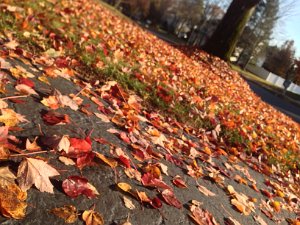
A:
x: 103, y: 117
x: 148, y: 180
x: 259, y: 220
x: 178, y: 182
x: 32, y: 146
x: 12, y: 201
x: 6, y: 176
x: 111, y: 162
x: 125, y: 187
x: 128, y: 203
x: 24, y: 89
x: 35, y: 171
x: 156, y: 203
x: 205, y: 191
x: 231, y: 221
x: 10, y: 118
x: 67, y: 161
x: 64, y: 144
x: 55, y: 118
x: 276, y: 205
x: 74, y: 186
x: 68, y: 213
x: 91, y: 217
x: 169, y: 197
x: 201, y: 216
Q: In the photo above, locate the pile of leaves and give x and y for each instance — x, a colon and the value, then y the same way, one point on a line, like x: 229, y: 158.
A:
x: 203, y: 110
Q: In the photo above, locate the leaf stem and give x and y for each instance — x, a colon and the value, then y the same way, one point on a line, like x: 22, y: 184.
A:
x: 13, y: 97
x: 31, y: 153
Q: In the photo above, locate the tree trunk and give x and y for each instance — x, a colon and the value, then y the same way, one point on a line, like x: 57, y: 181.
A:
x: 224, y: 39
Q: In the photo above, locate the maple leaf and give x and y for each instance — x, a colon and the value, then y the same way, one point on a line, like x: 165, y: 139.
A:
x: 6, y: 176
x: 111, y: 162
x: 148, y: 180
x: 156, y: 203
x: 201, y: 217
x: 74, y: 186
x: 26, y: 81
x: 128, y: 203
x: 178, y: 182
x: 169, y: 197
x: 51, y: 102
x: 23, y: 88
x: 10, y: 118
x: 54, y: 118
x: 80, y: 145
x: 205, y: 191
x: 68, y: 213
x: 32, y: 146
x: 12, y: 201
x: 35, y: 171
x: 91, y: 217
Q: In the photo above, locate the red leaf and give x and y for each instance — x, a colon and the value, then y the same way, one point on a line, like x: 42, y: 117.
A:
x: 85, y: 159
x: 148, y: 180
x: 156, y: 203
x: 26, y: 81
x: 74, y: 186
x: 178, y: 182
x: 53, y: 118
x: 169, y: 197
x: 125, y: 138
x: 177, y: 162
x: 125, y: 161
x: 80, y: 145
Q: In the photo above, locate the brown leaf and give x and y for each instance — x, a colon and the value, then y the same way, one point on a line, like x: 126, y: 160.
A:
x: 128, y: 203
x: 68, y: 213
x: 205, y: 191
x: 24, y: 89
x: 6, y: 176
x: 12, y: 201
x: 169, y: 197
x: 201, y: 217
x: 259, y: 220
x: 92, y: 218
x: 67, y: 161
x: 35, y: 171
x: 32, y: 146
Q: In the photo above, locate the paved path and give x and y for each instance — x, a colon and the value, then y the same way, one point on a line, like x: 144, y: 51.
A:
x: 276, y: 101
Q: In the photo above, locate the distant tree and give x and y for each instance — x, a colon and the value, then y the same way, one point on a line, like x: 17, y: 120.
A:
x: 279, y: 59
x: 225, y: 38
x: 257, y: 34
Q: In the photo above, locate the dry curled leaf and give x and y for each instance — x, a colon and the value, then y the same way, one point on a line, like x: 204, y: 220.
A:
x: 35, y: 171
x: 169, y: 197
x: 205, y: 191
x: 12, y: 201
x: 111, y: 162
x: 91, y: 217
x: 128, y: 203
x: 68, y: 213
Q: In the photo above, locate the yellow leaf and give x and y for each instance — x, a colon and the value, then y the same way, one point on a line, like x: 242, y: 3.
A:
x: 111, y: 162
x: 276, y: 205
x: 92, y: 217
x: 124, y: 187
x: 12, y: 201
x: 67, y: 212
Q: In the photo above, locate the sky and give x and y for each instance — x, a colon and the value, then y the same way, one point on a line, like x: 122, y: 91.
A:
x: 288, y: 28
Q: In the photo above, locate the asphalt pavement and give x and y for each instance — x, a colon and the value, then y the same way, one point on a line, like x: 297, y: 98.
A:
x: 276, y: 100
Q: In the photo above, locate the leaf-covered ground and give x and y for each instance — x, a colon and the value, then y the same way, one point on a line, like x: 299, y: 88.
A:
x: 84, y: 90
